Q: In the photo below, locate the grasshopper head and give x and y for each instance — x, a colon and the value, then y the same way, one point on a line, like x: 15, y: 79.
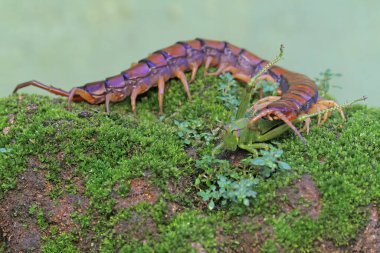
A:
x: 231, y: 137
x: 233, y: 133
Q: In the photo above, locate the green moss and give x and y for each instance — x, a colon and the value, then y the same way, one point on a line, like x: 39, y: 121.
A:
x: 61, y: 243
x: 343, y: 160
x: 109, y: 151
x: 185, y: 233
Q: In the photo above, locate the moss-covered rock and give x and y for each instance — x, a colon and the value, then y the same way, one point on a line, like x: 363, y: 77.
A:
x: 81, y: 180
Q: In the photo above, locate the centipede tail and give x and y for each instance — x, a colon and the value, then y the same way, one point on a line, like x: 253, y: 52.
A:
x: 47, y: 88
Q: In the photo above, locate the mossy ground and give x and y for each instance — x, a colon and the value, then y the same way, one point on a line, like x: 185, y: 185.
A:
x: 84, y: 181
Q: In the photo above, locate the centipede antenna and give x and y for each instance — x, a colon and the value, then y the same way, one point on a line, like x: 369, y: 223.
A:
x: 301, y: 118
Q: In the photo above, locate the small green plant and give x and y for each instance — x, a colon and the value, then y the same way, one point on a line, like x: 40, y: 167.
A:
x: 237, y: 187
x: 2, y: 247
x: 124, y: 188
x: 269, y: 161
x: 210, y: 167
x: 4, y: 150
x: 226, y: 190
x: 228, y: 88
x: 191, y: 132
x: 32, y: 209
x: 324, y: 80
x: 41, y: 220
x: 269, y: 88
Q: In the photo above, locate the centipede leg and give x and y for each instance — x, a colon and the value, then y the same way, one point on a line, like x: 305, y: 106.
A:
x: 268, y: 113
x: 78, y: 92
x: 183, y: 79
x: 287, y: 121
x: 207, y: 65
x: 221, y: 69
x: 135, y: 92
x: 315, y: 108
x: 161, y: 89
x: 107, y: 102
x: 262, y: 103
x: 319, y: 116
x: 306, y: 127
x: 194, y: 69
x: 133, y: 100
x: 242, y: 77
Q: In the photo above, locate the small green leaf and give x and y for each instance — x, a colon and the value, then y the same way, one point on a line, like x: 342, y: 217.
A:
x: 4, y: 150
x: 204, y: 195
x: 271, y: 165
x: 278, y: 153
x: 284, y: 165
x: 266, y: 172
x: 197, y: 181
x: 211, y: 205
x: 258, y: 161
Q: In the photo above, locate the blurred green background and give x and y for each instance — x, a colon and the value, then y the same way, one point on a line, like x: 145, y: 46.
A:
x: 68, y: 43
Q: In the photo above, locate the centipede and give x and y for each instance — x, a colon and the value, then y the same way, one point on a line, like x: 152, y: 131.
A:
x: 299, y: 93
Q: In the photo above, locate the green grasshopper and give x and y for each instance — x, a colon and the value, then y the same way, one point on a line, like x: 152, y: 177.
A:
x: 237, y: 134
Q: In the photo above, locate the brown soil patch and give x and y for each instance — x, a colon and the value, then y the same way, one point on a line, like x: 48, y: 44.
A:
x: 19, y: 228
x: 328, y: 246
x: 137, y: 227
x: 6, y: 130
x: 19, y: 224
x: 183, y: 189
x: 249, y: 240
x: 303, y: 195
x: 63, y: 207
x: 369, y: 239
x: 11, y: 120
x: 234, y: 157
x: 172, y: 209
x: 191, y: 152
x: 31, y: 108
x: 180, y: 186
x: 140, y: 191
x: 198, y: 247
